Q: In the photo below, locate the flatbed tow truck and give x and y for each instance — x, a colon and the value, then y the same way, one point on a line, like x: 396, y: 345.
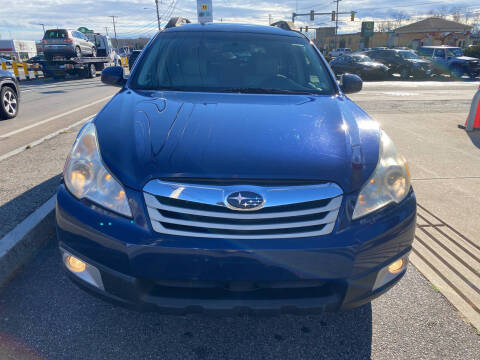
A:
x: 86, y: 67
x: 58, y: 67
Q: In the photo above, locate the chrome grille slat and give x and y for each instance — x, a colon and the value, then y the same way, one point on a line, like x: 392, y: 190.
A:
x: 152, y: 202
x: 176, y: 209
x: 155, y: 215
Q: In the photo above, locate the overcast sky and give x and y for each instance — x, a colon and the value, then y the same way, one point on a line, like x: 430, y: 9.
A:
x: 21, y: 19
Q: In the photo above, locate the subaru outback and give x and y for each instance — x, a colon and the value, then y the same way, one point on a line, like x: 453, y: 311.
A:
x: 232, y: 173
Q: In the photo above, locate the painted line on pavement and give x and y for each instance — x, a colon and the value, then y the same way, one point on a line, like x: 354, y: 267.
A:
x: 450, y: 261
x: 53, y: 118
x: 41, y: 140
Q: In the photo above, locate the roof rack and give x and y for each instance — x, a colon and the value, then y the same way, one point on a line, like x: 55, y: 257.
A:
x: 177, y: 21
x: 285, y: 25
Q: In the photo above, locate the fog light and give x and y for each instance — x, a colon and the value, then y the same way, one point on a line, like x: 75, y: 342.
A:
x: 396, y: 266
x: 75, y: 265
x: 82, y: 269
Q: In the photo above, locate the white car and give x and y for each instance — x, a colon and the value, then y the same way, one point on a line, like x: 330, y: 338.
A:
x: 340, y: 52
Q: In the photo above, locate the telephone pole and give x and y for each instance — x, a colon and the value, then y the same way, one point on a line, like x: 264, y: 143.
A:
x: 336, y: 25
x: 269, y: 19
x: 106, y: 30
x: 158, y: 15
x: 114, y: 30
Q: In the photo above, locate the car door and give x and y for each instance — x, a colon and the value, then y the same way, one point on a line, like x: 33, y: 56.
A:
x: 439, y: 58
x: 338, y: 65
x: 81, y: 42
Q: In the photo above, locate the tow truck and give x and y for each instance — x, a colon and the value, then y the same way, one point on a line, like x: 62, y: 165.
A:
x: 59, y: 66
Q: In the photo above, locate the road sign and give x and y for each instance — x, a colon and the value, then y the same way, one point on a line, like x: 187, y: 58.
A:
x: 367, y: 28
x: 204, y: 11
x: 84, y: 30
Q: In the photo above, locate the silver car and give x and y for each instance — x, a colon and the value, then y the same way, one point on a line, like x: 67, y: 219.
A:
x: 67, y: 43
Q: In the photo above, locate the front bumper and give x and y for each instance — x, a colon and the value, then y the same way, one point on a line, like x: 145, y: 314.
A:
x: 148, y: 270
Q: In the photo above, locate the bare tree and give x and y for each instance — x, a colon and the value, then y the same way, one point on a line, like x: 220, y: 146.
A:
x: 399, y: 17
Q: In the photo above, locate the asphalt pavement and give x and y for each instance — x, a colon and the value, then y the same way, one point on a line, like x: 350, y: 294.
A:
x: 44, y: 316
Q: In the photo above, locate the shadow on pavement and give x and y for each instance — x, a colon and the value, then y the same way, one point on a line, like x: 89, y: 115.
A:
x: 474, y: 137
x: 45, y: 315
x: 23, y: 205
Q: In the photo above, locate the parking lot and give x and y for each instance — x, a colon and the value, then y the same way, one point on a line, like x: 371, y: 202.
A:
x: 431, y: 314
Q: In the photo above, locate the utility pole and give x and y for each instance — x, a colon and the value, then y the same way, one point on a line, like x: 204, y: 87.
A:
x: 269, y: 19
x: 158, y: 15
x: 114, y: 30
x: 336, y: 25
x: 106, y: 30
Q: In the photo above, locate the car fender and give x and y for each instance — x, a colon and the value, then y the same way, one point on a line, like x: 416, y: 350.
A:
x: 11, y: 83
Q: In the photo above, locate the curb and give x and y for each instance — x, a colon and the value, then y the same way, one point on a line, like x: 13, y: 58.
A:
x: 19, y: 245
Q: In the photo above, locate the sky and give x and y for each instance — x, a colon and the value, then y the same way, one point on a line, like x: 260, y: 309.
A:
x: 22, y: 19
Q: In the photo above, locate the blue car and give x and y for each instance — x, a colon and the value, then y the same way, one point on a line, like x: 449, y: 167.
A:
x: 231, y: 173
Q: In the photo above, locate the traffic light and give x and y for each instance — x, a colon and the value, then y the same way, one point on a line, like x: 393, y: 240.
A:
x: 333, y: 15
x: 352, y: 16
x: 306, y: 29
x: 312, y: 15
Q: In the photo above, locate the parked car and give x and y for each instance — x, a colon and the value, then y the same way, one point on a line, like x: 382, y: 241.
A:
x: 133, y: 57
x: 403, y: 62
x: 6, y: 61
x: 9, y: 95
x: 450, y: 60
x: 239, y: 177
x: 339, y: 52
x: 67, y: 43
x: 360, y: 65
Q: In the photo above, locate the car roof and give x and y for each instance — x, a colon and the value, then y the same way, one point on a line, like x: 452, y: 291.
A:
x: 440, y: 47
x: 228, y: 27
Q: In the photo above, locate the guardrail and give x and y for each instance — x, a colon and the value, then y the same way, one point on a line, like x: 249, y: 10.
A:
x: 25, y: 67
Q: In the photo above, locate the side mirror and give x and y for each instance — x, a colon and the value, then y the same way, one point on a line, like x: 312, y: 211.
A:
x: 113, y: 75
x: 351, y: 83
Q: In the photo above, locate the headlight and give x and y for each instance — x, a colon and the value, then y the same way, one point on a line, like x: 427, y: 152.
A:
x: 390, y: 182
x: 87, y: 177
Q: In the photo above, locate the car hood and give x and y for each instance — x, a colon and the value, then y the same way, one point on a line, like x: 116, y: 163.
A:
x: 419, y: 61
x: 373, y: 64
x: 177, y: 135
x: 466, y: 58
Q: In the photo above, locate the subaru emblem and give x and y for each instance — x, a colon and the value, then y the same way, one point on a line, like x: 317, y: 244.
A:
x: 244, y: 201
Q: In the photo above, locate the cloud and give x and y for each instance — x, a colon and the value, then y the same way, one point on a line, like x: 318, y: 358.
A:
x: 22, y: 18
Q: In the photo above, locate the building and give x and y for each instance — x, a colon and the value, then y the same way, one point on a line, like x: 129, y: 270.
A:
x: 433, y: 31
x: 18, y: 49
x: 430, y: 31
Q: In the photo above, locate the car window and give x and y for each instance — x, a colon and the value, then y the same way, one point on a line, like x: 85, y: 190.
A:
x: 406, y: 54
x: 220, y: 61
x: 454, y: 52
x: 56, y: 34
x: 361, y: 58
x: 439, y: 53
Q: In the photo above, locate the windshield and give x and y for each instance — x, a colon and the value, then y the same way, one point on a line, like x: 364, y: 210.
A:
x: 408, y: 54
x: 56, y: 34
x: 454, y: 52
x: 361, y: 58
x: 232, y: 62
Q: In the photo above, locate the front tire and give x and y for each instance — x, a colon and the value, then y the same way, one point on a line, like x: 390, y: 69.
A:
x: 9, y: 103
x: 404, y: 74
x: 457, y: 72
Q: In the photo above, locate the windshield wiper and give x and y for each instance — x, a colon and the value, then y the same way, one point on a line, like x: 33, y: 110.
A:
x: 267, y: 91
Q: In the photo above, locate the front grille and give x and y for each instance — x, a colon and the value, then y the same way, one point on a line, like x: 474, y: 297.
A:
x: 198, y: 210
